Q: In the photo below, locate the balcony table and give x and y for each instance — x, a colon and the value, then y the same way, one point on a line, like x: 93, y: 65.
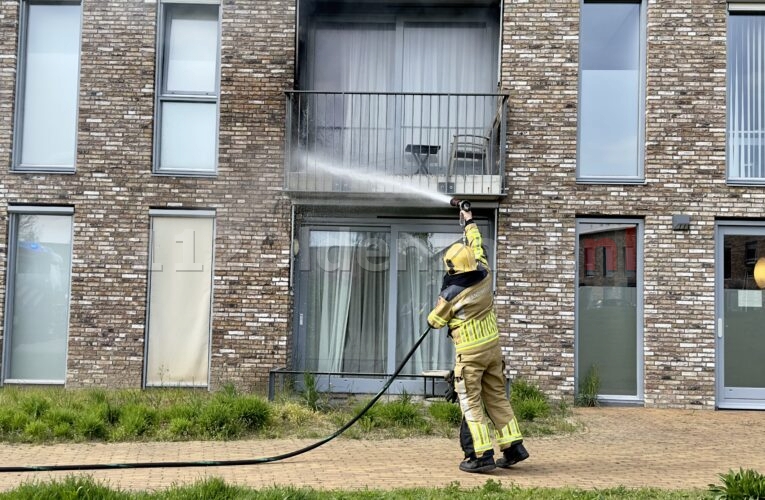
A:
x: 421, y: 154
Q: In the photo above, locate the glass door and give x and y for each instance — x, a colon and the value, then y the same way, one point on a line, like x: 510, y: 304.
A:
x: 364, y: 293
x: 740, y: 317
x: 609, y: 307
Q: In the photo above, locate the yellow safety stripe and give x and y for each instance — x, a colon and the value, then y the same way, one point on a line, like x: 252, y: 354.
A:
x: 481, y: 437
x: 436, y: 320
x: 473, y: 235
x: 509, y: 433
x: 474, y: 333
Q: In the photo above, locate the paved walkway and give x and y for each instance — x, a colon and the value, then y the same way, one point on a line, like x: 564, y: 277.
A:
x: 633, y: 447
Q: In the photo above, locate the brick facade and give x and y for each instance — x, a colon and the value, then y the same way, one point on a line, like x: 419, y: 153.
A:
x: 113, y: 190
x: 684, y: 174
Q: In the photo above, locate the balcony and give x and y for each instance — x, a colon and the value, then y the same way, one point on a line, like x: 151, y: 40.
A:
x: 389, y: 143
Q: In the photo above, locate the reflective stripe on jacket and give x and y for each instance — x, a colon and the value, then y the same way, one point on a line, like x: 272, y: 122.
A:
x: 469, y: 311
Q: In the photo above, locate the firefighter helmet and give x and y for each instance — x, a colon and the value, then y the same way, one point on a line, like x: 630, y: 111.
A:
x: 459, y: 258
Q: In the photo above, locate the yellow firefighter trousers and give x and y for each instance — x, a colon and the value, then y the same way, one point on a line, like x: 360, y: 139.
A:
x: 479, y: 381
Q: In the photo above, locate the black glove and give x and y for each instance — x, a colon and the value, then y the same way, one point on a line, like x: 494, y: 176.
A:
x: 450, y: 394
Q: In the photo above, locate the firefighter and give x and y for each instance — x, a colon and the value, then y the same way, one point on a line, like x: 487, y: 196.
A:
x: 466, y: 306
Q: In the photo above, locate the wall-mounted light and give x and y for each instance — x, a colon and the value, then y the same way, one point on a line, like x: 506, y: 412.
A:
x: 759, y: 272
x: 681, y: 222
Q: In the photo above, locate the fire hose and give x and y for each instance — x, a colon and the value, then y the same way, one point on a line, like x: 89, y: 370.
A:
x: 226, y: 463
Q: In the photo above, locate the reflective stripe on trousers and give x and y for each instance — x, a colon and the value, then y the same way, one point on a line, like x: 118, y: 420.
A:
x: 480, y: 386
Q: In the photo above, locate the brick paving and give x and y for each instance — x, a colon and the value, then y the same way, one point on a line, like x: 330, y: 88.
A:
x: 632, y: 447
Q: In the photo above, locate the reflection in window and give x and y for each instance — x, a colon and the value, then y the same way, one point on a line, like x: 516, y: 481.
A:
x: 609, y: 93
x: 39, y: 282
x: 607, y: 303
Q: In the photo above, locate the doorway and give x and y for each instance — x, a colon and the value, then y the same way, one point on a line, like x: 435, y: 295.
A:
x: 740, y: 279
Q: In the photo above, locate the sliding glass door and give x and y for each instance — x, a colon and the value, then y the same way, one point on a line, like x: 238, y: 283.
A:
x: 364, y: 293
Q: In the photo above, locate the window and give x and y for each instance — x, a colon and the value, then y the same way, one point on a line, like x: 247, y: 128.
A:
x: 47, y: 88
x: 356, y: 61
x: 611, y: 92
x: 609, y: 306
x: 180, y: 297
x: 186, y: 134
x: 746, y: 85
x: 37, y: 304
x: 364, y: 290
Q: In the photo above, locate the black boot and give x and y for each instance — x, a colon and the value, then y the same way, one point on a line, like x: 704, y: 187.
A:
x: 484, y: 463
x: 511, y: 456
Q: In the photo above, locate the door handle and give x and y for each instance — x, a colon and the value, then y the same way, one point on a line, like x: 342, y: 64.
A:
x: 719, y: 328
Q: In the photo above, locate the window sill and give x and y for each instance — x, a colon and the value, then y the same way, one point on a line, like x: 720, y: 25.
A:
x: 185, y: 173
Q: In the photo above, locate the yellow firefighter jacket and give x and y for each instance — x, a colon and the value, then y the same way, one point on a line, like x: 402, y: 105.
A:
x: 469, y: 310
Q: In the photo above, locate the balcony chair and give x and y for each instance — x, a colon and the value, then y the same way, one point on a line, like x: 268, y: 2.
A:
x: 474, y: 152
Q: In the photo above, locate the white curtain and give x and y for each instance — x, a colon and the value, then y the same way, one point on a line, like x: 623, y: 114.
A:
x: 180, y: 288
x: 746, y: 96
x: 436, y: 57
x: 443, y: 58
x: 354, y: 57
x: 420, y: 272
x: 347, y: 303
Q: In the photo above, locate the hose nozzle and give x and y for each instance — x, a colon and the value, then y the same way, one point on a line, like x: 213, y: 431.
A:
x: 462, y: 204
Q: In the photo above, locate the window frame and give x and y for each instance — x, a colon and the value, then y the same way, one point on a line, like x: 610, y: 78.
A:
x: 738, y: 8
x: 392, y: 225
x: 20, y: 97
x: 639, y: 178
x: 10, y: 282
x: 180, y: 213
x: 615, y: 224
x: 162, y: 97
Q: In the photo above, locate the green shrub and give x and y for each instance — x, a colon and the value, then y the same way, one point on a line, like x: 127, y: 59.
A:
x: 401, y: 413
x: 312, y: 398
x: 531, y: 409
x: 72, y: 487
x: 12, y: 420
x: 188, y: 411
x: 91, y: 426
x: 295, y: 414
x: 444, y: 411
x: 180, y: 427
x: 109, y: 412
x: 218, y: 420
x: 34, y: 405
x: 252, y: 412
x: 528, y: 401
x: 37, y: 431
x: 135, y: 420
x: 63, y: 430
x: 742, y: 485
x: 56, y: 416
x: 589, y: 387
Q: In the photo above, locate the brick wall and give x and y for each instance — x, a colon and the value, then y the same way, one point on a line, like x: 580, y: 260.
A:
x: 684, y: 171
x: 113, y: 190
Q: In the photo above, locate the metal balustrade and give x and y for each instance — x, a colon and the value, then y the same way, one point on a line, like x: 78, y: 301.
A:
x: 388, y: 142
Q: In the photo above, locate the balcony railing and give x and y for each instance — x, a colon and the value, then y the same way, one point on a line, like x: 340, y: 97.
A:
x: 363, y: 142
